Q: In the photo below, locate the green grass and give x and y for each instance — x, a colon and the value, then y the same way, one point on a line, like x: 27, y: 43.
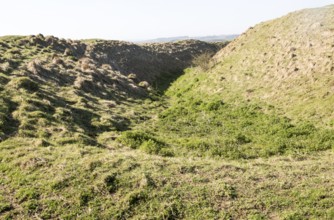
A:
x: 273, y: 64
x: 88, y: 182
x: 232, y: 139
x: 208, y: 126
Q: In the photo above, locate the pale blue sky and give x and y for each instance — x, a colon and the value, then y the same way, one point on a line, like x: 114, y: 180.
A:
x: 141, y: 19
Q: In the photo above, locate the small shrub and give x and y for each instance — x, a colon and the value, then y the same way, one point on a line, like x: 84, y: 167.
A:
x: 203, y: 61
x: 330, y: 214
x: 76, y: 138
x: 172, y: 210
x: 301, y: 130
x: 294, y: 216
x: 197, y: 144
x: 229, y: 149
x: 256, y: 216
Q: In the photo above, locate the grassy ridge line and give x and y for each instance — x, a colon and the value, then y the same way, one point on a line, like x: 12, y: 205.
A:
x: 62, y: 91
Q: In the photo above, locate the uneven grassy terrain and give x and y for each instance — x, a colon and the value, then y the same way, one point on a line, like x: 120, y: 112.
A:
x: 287, y: 63
x: 99, y: 129
x: 86, y: 182
x: 63, y: 91
x: 269, y: 92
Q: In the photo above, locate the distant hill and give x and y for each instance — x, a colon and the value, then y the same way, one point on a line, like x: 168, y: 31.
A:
x: 213, y: 38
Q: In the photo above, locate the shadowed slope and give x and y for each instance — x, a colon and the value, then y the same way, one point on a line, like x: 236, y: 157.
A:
x: 64, y: 91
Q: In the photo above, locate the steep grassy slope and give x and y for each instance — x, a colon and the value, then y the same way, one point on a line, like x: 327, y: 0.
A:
x: 268, y: 92
x: 210, y: 125
x: 287, y: 62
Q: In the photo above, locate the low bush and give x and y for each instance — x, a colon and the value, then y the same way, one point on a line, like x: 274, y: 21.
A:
x: 203, y: 61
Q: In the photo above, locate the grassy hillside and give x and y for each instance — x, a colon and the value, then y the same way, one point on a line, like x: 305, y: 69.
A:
x: 258, y: 97
x: 270, y: 92
x: 99, y: 129
x: 287, y: 63
x: 67, y: 91
x: 203, y: 124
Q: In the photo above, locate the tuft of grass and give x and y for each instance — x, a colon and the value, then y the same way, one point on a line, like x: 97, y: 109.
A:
x: 145, y: 142
x: 23, y: 83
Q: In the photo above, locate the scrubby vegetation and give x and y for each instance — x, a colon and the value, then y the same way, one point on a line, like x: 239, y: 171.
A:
x: 111, y: 130
x: 203, y: 61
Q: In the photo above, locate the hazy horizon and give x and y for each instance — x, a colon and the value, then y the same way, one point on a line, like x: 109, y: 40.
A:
x: 147, y: 19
